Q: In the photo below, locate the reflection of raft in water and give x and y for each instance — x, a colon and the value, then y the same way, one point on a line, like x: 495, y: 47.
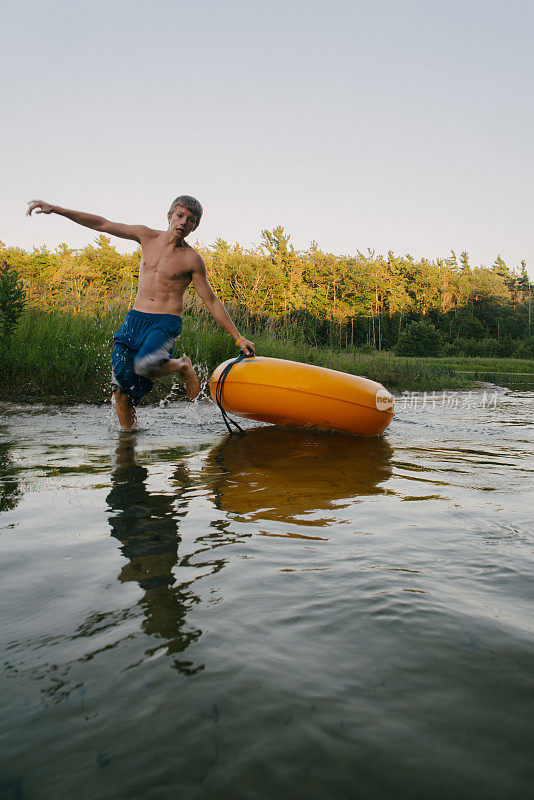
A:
x: 283, y: 473
x: 290, y: 393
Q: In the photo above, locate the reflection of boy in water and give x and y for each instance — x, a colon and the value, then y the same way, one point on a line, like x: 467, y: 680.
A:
x: 145, y: 524
x: 145, y: 342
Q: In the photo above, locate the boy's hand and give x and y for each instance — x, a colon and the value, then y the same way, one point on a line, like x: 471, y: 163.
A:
x: 39, y: 206
x: 247, y: 347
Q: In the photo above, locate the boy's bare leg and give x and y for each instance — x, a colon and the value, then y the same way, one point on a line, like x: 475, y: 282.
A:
x: 125, y: 410
x: 185, y: 369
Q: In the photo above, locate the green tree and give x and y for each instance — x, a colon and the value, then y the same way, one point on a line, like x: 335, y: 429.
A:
x: 106, y: 262
x: 464, y: 262
x: 499, y: 268
x: 287, y: 265
x: 418, y: 339
x: 42, y: 263
x: 12, y: 300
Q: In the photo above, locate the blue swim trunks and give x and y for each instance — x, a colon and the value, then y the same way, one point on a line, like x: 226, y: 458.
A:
x: 143, y: 343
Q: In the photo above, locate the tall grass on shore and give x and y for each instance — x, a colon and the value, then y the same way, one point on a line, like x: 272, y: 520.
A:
x: 59, y: 356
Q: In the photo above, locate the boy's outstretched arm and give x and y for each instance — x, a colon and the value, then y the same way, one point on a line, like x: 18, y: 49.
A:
x: 93, y: 221
x: 216, y: 308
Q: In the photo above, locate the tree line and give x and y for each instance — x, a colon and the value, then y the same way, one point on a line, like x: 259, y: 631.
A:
x: 365, y: 299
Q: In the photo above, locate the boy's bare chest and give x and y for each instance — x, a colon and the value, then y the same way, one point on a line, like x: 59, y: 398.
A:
x: 166, y: 263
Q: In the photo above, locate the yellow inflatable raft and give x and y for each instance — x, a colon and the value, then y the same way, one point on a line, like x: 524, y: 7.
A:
x: 290, y: 393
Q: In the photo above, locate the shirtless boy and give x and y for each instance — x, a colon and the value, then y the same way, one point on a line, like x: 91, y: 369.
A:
x: 145, y: 341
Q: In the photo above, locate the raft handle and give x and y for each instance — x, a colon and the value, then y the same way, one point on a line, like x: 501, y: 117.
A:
x: 219, y: 391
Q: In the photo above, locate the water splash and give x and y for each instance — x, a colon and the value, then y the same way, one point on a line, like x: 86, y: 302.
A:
x: 177, y: 391
x: 191, y: 412
x: 113, y: 419
x: 203, y: 375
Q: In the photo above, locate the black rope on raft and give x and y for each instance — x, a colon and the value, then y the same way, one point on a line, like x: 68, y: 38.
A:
x: 219, y: 391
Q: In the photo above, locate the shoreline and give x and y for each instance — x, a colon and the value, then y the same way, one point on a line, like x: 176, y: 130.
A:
x: 398, y: 396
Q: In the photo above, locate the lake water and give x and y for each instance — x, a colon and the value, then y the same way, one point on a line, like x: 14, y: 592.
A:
x: 286, y: 614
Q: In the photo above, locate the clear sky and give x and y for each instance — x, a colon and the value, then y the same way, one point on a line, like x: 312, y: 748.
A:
x: 390, y: 124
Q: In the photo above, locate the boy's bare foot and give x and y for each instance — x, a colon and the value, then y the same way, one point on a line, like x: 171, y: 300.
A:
x: 185, y: 370
x: 187, y: 374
